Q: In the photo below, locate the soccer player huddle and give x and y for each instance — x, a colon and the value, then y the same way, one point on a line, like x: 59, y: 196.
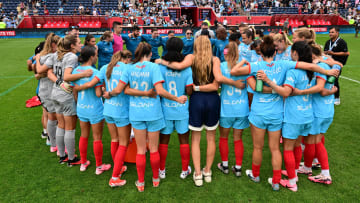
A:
x: 267, y: 83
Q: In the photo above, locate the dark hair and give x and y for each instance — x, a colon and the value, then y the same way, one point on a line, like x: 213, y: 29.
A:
x: 267, y: 47
x: 40, y: 47
x: 106, y: 34
x: 154, y: 30
x: 174, y: 46
x: 221, y: 33
x: 337, y: 29
x: 115, y: 23
x: 188, y: 30
x: 118, y: 56
x: 249, y: 33
x: 204, y: 23
x: 86, y: 53
x: 74, y: 27
x: 233, y: 29
x: 255, y: 44
x: 88, y: 38
x: 171, y: 31
x: 234, y: 36
x: 260, y: 32
x: 315, y: 48
x: 205, y: 32
x: 143, y: 49
x: 135, y: 28
x: 303, y: 49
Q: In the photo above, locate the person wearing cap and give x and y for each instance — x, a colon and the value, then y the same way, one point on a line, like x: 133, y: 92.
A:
x: 205, y: 26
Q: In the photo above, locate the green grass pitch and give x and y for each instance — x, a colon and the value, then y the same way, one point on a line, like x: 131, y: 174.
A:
x: 30, y: 173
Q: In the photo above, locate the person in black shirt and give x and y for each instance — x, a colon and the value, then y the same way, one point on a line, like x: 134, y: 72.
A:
x: 357, y: 27
x: 338, y: 50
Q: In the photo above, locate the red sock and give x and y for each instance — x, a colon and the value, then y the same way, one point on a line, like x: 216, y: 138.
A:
x: 309, y: 154
x: 276, y: 176
x: 256, y: 170
x: 239, y: 152
x: 223, y: 148
x: 321, y: 154
x: 83, y: 145
x: 119, y: 160
x: 185, y: 156
x: 323, y: 140
x: 163, y: 150
x: 140, y: 166
x: 289, y: 161
x: 298, y: 156
x: 155, y: 164
x: 114, y: 148
x: 98, y: 152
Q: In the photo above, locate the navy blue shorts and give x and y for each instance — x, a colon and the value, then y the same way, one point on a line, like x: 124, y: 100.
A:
x: 204, y: 111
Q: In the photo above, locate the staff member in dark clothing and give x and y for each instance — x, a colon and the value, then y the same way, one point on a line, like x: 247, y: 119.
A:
x: 338, y: 50
x: 357, y: 27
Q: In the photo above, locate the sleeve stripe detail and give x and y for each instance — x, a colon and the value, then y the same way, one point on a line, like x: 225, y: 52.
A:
x: 320, y: 78
x: 97, y: 78
x: 189, y: 85
x: 99, y: 85
x: 250, y: 77
x: 289, y: 86
x: 122, y: 82
x: 296, y: 65
x: 161, y: 81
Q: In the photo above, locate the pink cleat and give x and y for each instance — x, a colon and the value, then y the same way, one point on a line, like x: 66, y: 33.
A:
x: 102, y: 168
x: 84, y: 166
x: 321, y: 179
x: 53, y: 149
x: 303, y: 170
x: 286, y: 184
x: 284, y: 172
x: 116, y: 183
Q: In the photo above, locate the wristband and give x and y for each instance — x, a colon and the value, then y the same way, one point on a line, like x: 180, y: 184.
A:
x: 197, y: 88
x: 58, y: 82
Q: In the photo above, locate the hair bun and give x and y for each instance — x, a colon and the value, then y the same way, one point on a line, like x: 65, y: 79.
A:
x: 268, y: 40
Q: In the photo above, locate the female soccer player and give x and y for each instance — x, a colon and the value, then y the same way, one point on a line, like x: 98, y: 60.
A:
x: 89, y: 110
x: 304, y: 34
x: 105, y: 48
x: 234, y: 113
x: 267, y: 109
x: 177, y: 82
x: 282, y: 46
x: 145, y: 113
x: 204, y: 105
x: 298, y: 112
x: 45, y: 88
x: 322, y: 101
x: 248, y: 36
x: 90, y: 40
x: 61, y: 66
x: 188, y: 41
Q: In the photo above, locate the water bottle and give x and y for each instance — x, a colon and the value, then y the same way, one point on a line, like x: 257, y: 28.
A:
x: 331, y: 79
x: 259, y: 85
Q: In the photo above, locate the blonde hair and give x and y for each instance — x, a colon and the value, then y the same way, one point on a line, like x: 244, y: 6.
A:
x: 308, y: 34
x: 52, y: 38
x: 203, y: 59
x: 64, y: 45
x: 232, y: 55
x: 118, y: 56
x: 282, y: 37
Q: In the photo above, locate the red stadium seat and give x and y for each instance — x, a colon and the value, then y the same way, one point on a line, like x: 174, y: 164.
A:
x: 46, y: 26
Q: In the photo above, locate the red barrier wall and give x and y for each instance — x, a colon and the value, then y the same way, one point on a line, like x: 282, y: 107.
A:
x: 234, y: 20
x: 334, y: 19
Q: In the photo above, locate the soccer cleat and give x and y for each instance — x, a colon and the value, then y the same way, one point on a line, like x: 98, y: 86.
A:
x: 156, y: 182
x: 100, y: 169
x: 321, y: 179
x: 44, y: 135
x: 284, y: 172
x: 303, y: 170
x: 140, y: 186
x: 123, y: 170
x: 53, y: 149
x: 162, y: 174
x: 84, y: 166
x: 48, y: 143
x: 337, y: 101
x: 224, y: 169
x: 184, y: 174
x: 207, y: 176
x: 198, y: 180
x: 116, y: 183
x: 75, y: 161
x: 251, y: 176
x: 286, y: 184
x: 275, y: 187
x: 63, y: 159
x: 315, y: 165
x: 236, y: 171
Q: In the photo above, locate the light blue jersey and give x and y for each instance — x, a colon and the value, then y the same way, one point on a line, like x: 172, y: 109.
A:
x: 244, y: 52
x: 88, y: 104
x: 234, y: 101
x: 117, y: 106
x: 175, y: 83
x: 285, y: 55
x: 298, y: 109
x: 143, y: 76
x: 323, y: 105
x: 270, y: 104
x: 255, y: 57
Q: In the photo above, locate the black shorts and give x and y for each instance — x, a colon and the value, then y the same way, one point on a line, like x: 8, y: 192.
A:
x: 204, y: 111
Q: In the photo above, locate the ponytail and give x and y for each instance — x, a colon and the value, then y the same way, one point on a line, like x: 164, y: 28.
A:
x: 64, y: 45
x: 143, y: 49
x: 118, y: 56
x: 232, y: 54
x: 304, y: 51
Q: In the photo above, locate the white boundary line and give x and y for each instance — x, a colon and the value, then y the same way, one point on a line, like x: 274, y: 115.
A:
x: 16, y: 86
x: 346, y: 78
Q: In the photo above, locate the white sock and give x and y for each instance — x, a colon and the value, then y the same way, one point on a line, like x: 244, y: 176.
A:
x: 307, y: 168
x: 225, y: 163
x: 315, y: 161
x: 44, y: 130
x: 114, y: 178
x: 292, y: 181
x: 237, y: 167
x: 325, y: 172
